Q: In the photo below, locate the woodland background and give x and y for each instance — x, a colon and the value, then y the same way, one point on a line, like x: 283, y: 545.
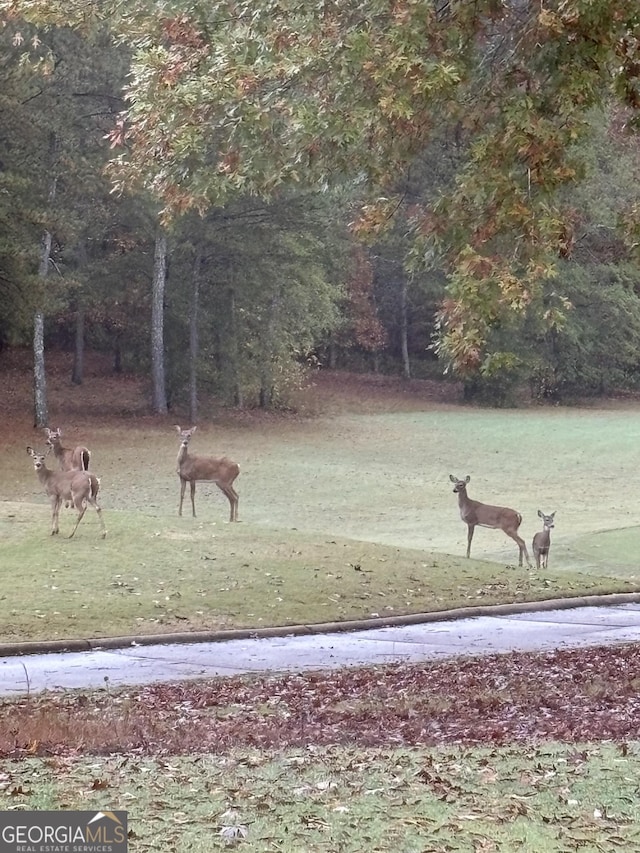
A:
x: 224, y: 197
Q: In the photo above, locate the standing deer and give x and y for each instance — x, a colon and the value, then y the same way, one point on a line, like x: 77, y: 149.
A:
x: 542, y: 540
x: 69, y: 459
x: 220, y: 469
x: 79, y: 488
x: 474, y: 513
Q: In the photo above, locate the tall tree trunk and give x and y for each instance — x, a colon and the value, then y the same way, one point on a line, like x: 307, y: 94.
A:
x: 41, y: 416
x: 235, y: 382
x: 77, y: 373
x: 404, y: 329
x: 332, y: 354
x: 266, y: 373
x: 159, y: 390
x: 193, y: 338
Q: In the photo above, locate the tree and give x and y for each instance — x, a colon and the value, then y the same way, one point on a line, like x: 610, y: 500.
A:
x: 159, y: 394
x: 317, y: 93
x: 230, y: 97
x: 267, y: 288
x: 52, y: 146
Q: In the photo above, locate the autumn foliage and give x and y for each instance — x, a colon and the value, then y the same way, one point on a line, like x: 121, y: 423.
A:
x: 571, y: 695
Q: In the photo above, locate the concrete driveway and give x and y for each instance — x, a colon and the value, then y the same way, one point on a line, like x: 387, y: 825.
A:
x: 146, y: 664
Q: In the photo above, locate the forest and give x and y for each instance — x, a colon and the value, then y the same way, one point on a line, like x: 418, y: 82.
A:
x: 224, y: 196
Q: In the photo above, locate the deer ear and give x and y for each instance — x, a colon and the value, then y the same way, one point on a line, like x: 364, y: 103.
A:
x: 193, y: 429
x: 179, y: 429
x: 539, y: 514
x: 29, y: 450
x: 467, y: 479
x: 452, y: 478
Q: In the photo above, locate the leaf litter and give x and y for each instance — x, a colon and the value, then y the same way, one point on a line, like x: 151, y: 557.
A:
x: 519, y: 751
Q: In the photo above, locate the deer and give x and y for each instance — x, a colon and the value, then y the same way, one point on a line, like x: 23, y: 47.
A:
x: 474, y: 513
x: 542, y: 540
x: 76, y: 488
x: 69, y: 459
x: 221, y: 470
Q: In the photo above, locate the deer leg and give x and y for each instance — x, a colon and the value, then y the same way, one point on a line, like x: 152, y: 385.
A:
x: 471, y: 528
x: 98, y: 509
x: 232, y: 497
x: 55, y: 512
x: 236, y: 501
x: 522, y: 546
x: 81, y: 505
x: 193, y: 497
x: 183, y: 486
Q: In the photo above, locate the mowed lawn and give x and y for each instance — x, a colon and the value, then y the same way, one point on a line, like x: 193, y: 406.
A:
x: 346, y: 513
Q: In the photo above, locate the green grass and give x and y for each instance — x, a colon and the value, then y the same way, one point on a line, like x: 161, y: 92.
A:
x: 552, y: 797
x: 154, y: 575
x: 343, y: 516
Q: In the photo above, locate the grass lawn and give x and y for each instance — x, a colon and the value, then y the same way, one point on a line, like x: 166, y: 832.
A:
x: 552, y: 797
x: 154, y: 575
x: 345, y: 514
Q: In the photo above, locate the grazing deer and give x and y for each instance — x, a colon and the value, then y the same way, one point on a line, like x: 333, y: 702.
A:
x: 79, y: 488
x: 542, y: 540
x: 219, y: 469
x: 474, y: 513
x: 69, y: 459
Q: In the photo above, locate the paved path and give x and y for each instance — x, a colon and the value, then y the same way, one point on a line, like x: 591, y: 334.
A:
x: 582, y: 626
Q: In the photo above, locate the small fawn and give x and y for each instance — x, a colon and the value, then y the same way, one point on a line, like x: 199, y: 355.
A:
x: 542, y: 540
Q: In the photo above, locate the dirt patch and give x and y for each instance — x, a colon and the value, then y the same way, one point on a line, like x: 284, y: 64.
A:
x: 341, y: 391
x: 104, y: 395
x: 107, y: 395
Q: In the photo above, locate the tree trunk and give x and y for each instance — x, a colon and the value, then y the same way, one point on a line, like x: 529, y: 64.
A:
x: 193, y: 339
x: 234, y: 360
x: 332, y: 355
x: 77, y: 373
x: 159, y: 390
x: 41, y: 415
x: 404, y: 330
x: 265, y: 396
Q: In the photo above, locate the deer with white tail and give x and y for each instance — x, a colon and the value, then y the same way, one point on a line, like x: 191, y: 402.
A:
x: 475, y: 514
x: 69, y: 458
x: 219, y: 469
x: 542, y: 540
x: 79, y: 488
